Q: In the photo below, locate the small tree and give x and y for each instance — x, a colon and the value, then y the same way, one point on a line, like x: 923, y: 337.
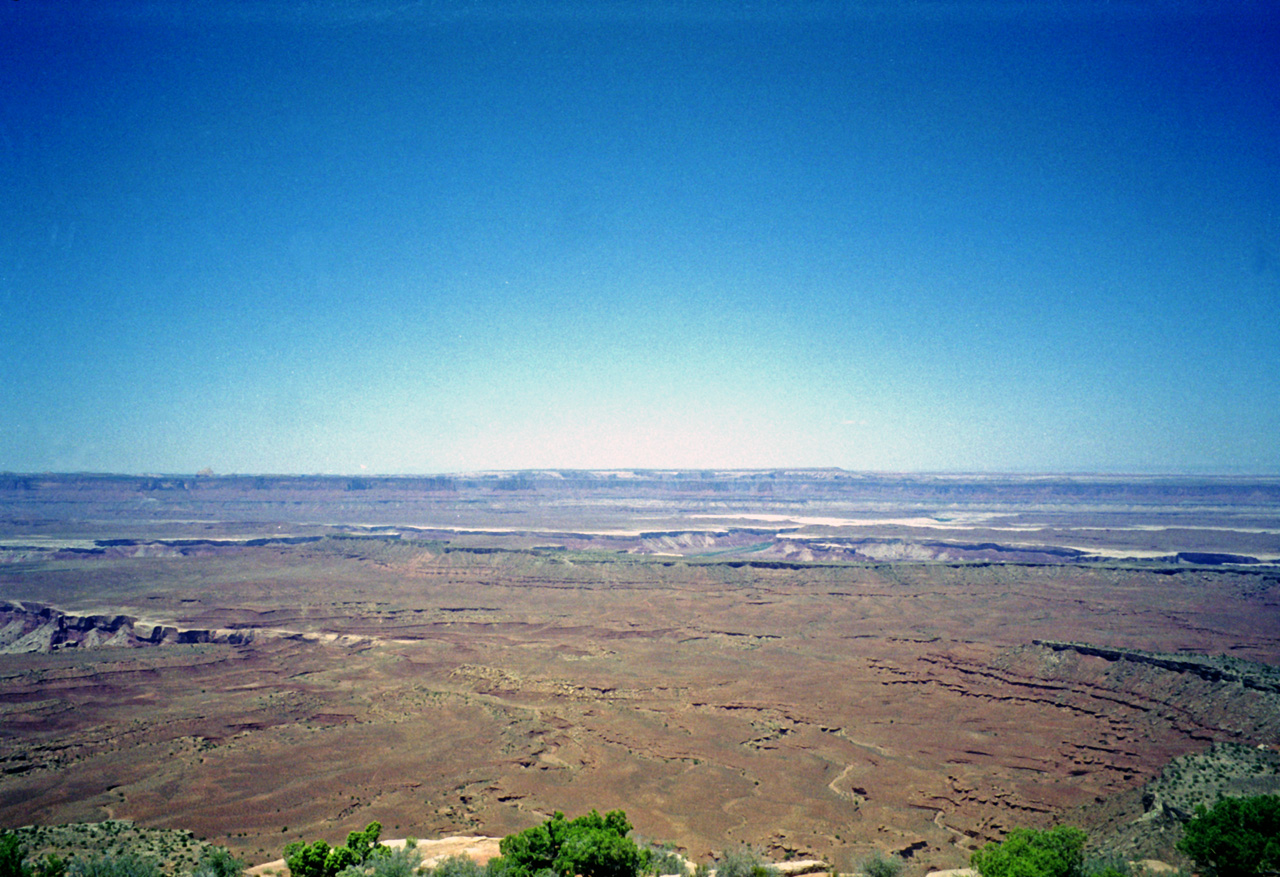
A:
x: 320, y: 860
x: 364, y: 844
x: 1028, y: 852
x: 591, y: 845
x: 598, y: 852
x: 1239, y: 837
x: 12, y: 857
x: 307, y: 860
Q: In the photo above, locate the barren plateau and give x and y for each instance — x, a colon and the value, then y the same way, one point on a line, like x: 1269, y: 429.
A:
x: 815, y: 662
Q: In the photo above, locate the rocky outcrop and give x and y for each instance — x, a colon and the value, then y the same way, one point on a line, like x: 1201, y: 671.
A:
x: 33, y: 627
x: 1246, y: 674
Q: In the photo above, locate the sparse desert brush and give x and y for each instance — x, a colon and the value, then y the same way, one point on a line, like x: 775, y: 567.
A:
x: 218, y: 862
x: 743, y: 861
x: 127, y: 865
x: 664, y: 860
x: 1108, y: 865
x: 457, y: 866
x: 403, y: 862
x: 880, y: 865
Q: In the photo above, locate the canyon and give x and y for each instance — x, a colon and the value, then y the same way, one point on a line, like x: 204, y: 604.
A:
x: 830, y: 666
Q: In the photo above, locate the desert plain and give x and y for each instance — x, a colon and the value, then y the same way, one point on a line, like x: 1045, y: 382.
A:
x: 814, y: 662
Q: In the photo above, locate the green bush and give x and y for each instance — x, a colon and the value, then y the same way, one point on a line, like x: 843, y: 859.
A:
x: 591, y: 845
x: 880, y: 865
x: 318, y: 859
x: 1239, y: 837
x: 597, y: 852
x: 403, y: 862
x: 1028, y: 852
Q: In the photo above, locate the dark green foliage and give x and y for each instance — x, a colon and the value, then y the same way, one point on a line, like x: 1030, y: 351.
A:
x: 320, y: 860
x: 880, y: 865
x: 12, y: 855
x: 364, y: 844
x: 1239, y: 837
x: 1028, y: 852
x: 114, y: 866
x: 307, y: 860
x: 339, y: 859
x: 591, y: 845
x: 598, y: 852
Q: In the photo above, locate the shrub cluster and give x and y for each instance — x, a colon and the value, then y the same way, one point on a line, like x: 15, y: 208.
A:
x: 1238, y: 837
x: 591, y: 846
x: 217, y: 862
x: 1029, y: 852
x: 743, y: 861
x: 318, y: 859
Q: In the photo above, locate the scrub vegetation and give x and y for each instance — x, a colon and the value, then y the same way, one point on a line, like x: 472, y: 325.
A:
x: 1237, y: 837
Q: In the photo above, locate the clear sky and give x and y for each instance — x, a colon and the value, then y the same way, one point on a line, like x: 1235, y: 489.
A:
x: 390, y: 236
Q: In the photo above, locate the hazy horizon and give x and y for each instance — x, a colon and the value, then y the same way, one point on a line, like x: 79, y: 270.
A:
x: 305, y: 237
x: 873, y: 473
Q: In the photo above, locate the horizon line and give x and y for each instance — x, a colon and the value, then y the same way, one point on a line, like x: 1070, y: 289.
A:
x: 737, y: 470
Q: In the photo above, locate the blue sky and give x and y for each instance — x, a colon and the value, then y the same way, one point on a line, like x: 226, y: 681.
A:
x: 376, y: 236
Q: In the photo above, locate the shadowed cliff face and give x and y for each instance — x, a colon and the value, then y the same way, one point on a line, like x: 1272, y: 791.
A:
x: 36, y: 628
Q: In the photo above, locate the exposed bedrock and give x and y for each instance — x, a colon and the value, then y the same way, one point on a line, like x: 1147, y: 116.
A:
x: 30, y: 627
x: 1246, y: 674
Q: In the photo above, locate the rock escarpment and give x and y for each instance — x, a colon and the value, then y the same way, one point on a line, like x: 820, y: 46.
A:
x: 1248, y: 674
x: 34, y: 627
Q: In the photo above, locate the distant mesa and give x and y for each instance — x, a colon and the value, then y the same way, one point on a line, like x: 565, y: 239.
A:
x: 33, y: 627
